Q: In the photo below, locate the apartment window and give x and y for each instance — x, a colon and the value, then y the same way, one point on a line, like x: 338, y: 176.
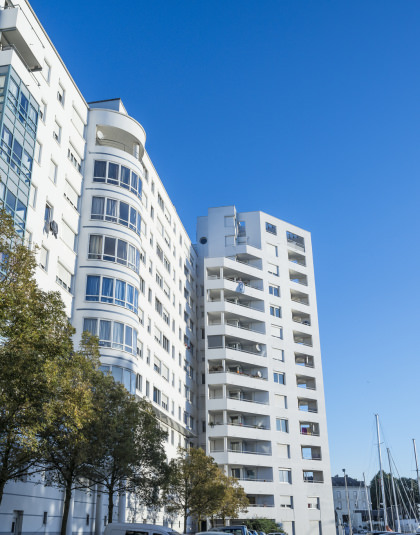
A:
x: 286, y: 501
x: 112, y: 334
x: 159, y: 279
x: 61, y: 94
x: 57, y: 132
x: 52, y: 173
x: 156, y: 395
x: 165, y: 402
x: 156, y: 365
x: 282, y: 425
x: 164, y: 372
x: 277, y: 331
x: 313, y: 502
x: 274, y: 290
x: 160, y: 202
x: 46, y: 71
x: 283, y: 451
x: 279, y: 378
x: 43, y: 111
x: 117, y: 175
x: 77, y: 121
x: 43, y: 258
x: 275, y: 311
x: 165, y: 343
x: 273, y: 269
x: 32, y: 196
x: 285, y: 475
x: 48, y: 215
x: 142, y: 285
x: 114, y: 250
x: 167, y: 264
x: 272, y: 229
x: 147, y: 389
x: 74, y: 158
x: 38, y: 151
x: 67, y: 235
x: 64, y: 277
x: 114, y: 291
x: 272, y: 249
x: 280, y: 401
x: 158, y: 306
x: 296, y: 240
x: 116, y: 212
x: 71, y: 195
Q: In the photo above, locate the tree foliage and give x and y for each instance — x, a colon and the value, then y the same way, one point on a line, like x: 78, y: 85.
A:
x: 198, y: 488
x: 34, y: 335
x: 407, y: 491
x: 58, y: 412
x: 234, y: 499
x: 130, y: 455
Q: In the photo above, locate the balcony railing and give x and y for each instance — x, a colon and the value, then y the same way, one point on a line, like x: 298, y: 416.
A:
x: 258, y: 480
x: 250, y: 426
x: 253, y: 376
x: 246, y: 263
x: 247, y: 284
x: 248, y: 452
x: 241, y: 398
x: 246, y: 305
x: 260, y: 505
x: 300, y: 300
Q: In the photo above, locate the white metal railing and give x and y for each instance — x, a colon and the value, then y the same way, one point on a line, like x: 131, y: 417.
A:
x: 248, y: 452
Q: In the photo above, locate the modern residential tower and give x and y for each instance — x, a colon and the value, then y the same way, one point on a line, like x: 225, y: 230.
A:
x: 221, y: 337
x: 263, y: 402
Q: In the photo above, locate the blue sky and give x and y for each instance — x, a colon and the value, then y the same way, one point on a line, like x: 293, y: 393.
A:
x: 306, y: 110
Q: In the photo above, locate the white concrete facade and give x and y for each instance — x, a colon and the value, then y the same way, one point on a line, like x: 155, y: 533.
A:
x: 264, y: 414
x: 82, y: 187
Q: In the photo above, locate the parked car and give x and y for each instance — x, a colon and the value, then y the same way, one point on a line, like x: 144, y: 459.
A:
x: 123, y: 528
x: 234, y: 529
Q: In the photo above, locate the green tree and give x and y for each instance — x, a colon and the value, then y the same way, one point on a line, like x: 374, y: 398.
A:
x: 68, y: 441
x: 263, y: 524
x: 195, y: 486
x: 34, y: 332
x: 130, y: 454
x: 234, y: 500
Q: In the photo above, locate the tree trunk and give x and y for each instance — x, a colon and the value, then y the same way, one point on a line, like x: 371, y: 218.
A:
x: 185, y: 520
x: 110, y: 504
x: 2, y: 485
x: 67, y: 500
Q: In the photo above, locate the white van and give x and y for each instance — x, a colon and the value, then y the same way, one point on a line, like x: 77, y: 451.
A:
x: 118, y: 528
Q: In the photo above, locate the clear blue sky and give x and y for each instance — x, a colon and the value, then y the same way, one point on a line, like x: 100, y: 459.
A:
x: 306, y: 110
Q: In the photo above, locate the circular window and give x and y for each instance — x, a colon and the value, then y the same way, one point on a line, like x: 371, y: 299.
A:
x: 203, y: 241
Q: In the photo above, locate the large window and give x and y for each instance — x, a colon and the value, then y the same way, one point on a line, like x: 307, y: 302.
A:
x: 14, y: 154
x: 118, y: 175
x: 114, y: 250
x: 285, y: 475
x: 106, y: 209
x: 114, y: 291
x: 125, y: 377
x: 112, y: 334
x: 282, y: 425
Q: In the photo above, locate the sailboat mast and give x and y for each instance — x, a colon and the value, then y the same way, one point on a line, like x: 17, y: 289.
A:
x: 381, y: 472
x: 393, y: 492
x: 368, y: 503
x: 417, y: 465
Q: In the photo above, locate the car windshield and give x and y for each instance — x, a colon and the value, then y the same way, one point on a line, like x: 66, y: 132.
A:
x: 235, y: 531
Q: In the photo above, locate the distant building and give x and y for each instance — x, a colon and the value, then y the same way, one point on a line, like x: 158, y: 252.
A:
x: 357, y: 503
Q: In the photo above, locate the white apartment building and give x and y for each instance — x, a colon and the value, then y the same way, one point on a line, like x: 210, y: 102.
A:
x: 263, y: 413
x: 77, y: 178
